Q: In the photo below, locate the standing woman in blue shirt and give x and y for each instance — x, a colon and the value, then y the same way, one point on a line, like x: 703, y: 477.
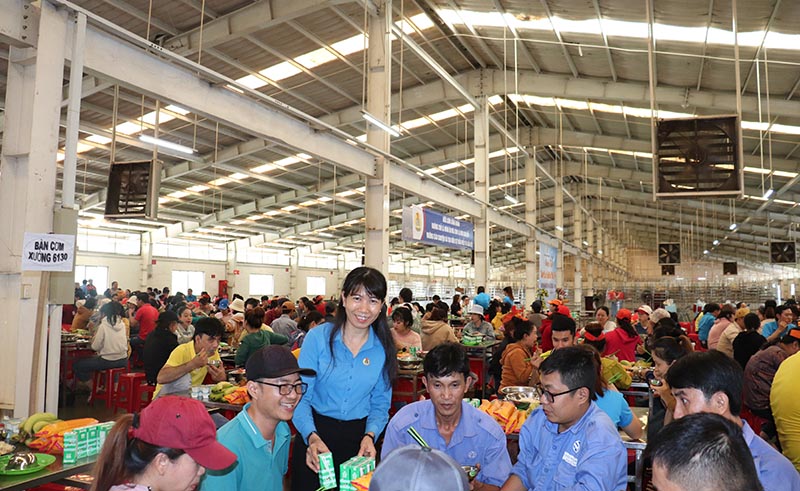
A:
x: 347, y: 404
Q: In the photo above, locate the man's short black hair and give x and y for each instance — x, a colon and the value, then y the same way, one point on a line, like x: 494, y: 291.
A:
x: 252, y: 302
x: 265, y: 298
x: 446, y: 359
x: 701, y: 451
x: 576, y: 367
x: 563, y: 323
x: 709, y: 372
x: 780, y: 309
x: 711, y: 307
x: 210, y: 326
x: 144, y: 297
x: 481, y: 289
x: 436, y: 298
x: 752, y: 322
x: 789, y: 338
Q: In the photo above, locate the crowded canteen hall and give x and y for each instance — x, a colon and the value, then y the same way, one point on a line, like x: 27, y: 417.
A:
x: 399, y: 245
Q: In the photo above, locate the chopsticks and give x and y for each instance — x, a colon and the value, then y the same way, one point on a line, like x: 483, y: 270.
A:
x: 417, y: 437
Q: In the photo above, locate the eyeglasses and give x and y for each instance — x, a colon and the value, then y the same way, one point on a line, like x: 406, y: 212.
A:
x: 548, y: 397
x: 286, y: 389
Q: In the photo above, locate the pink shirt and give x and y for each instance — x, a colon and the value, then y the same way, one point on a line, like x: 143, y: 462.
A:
x: 716, y: 331
x: 410, y: 338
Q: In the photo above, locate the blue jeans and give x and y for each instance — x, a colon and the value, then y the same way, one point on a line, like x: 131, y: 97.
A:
x: 85, y: 366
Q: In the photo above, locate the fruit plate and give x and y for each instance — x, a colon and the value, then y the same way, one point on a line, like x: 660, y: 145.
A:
x: 42, y: 461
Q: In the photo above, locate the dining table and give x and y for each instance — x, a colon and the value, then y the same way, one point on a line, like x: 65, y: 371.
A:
x: 75, y: 475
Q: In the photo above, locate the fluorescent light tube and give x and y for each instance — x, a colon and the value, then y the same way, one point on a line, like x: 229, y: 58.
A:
x: 380, y: 124
x: 511, y: 199
x: 163, y: 143
x: 769, y: 193
x: 732, y: 227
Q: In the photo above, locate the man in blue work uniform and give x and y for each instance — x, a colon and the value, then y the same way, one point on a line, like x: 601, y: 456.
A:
x: 447, y: 423
x: 569, y: 442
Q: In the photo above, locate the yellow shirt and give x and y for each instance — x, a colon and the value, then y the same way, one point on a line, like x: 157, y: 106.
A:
x: 786, y: 408
x: 181, y: 355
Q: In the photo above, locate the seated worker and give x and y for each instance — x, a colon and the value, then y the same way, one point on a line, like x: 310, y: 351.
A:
x: 259, y: 435
x: 435, y: 329
x: 701, y: 452
x: 449, y: 424
x: 562, y: 327
x: 159, y: 344
x: 256, y: 337
x: 189, y: 363
x: 711, y: 382
x: 520, y: 359
x: 477, y: 324
x: 404, y: 337
x: 570, y: 443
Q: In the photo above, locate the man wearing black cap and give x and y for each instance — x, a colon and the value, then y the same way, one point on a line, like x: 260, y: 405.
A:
x: 259, y: 435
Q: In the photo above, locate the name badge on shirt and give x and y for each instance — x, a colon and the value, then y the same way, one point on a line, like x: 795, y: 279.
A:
x: 570, y: 459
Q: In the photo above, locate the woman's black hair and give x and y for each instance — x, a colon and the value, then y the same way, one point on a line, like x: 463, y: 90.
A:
x: 165, y: 319
x: 520, y: 328
x: 403, y: 314
x: 604, y: 309
x: 90, y: 303
x: 304, y: 324
x: 374, y: 283
x: 670, y: 349
x: 113, y: 311
x: 626, y: 326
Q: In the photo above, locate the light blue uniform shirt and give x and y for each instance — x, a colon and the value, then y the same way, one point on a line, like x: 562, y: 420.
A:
x: 587, y: 456
x: 347, y: 388
x: 770, y: 327
x: 477, y: 439
x: 483, y: 300
x: 259, y: 465
x: 774, y: 470
x: 616, y: 408
x: 705, y: 325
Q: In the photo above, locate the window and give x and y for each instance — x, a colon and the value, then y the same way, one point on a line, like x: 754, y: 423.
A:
x: 183, y: 280
x: 315, y: 285
x: 98, y: 275
x: 90, y: 240
x: 191, y: 249
x: 262, y: 284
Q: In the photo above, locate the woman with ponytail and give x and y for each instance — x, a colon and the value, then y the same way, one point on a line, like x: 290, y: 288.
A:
x: 622, y: 341
x: 166, y: 447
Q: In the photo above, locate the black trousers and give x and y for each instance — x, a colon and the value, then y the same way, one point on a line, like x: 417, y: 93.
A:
x: 343, y: 439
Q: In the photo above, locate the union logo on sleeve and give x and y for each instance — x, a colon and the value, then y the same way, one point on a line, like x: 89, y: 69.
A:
x: 576, y: 446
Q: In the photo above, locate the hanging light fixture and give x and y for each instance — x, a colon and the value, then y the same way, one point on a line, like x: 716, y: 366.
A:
x: 380, y: 124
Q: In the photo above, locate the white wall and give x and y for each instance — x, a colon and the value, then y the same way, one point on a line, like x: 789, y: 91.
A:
x: 127, y: 271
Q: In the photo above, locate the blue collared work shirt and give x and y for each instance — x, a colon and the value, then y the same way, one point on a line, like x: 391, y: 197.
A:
x: 587, y: 456
x: 345, y: 388
x: 477, y: 439
x: 774, y: 470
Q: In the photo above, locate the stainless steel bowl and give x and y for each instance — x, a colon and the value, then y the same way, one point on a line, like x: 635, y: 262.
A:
x: 409, y: 363
x: 520, y: 394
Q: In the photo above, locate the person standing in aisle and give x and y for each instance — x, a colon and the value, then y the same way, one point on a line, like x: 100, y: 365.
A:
x: 347, y: 404
x: 482, y: 298
x: 509, y: 298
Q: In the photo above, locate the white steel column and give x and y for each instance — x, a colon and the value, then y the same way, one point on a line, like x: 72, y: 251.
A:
x: 577, y: 282
x: 379, y: 79
x: 73, y: 112
x: 531, y: 245
x: 481, y: 167
x: 27, y: 198
x: 558, y: 216
x: 230, y: 267
x: 146, y: 255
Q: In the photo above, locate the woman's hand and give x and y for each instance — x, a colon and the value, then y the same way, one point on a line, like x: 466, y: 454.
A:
x: 315, y: 447
x: 536, y: 359
x: 367, y: 448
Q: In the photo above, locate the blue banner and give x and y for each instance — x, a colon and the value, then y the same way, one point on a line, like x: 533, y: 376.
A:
x: 548, y: 262
x: 430, y: 227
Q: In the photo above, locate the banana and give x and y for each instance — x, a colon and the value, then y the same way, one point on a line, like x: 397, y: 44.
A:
x: 40, y: 424
x: 27, y: 426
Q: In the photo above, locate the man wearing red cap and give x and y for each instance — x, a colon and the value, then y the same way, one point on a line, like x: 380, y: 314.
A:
x: 259, y: 435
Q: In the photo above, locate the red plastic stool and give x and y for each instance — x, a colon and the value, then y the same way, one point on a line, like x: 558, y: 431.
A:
x: 125, y: 395
x: 104, y: 379
x: 143, y: 389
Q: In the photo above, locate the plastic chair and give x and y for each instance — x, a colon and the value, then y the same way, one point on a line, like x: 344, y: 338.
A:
x: 143, y: 389
x: 125, y: 395
x: 103, y: 385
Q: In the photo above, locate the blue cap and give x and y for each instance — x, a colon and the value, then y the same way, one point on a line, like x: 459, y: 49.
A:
x: 223, y: 304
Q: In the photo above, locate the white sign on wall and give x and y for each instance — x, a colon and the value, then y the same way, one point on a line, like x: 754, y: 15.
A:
x: 48, y: 252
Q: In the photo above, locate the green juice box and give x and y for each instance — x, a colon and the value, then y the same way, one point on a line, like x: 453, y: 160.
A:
x: 327, y: 472
x: 70, y: 447
x: 82, y: 445
x: 92, y: 440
